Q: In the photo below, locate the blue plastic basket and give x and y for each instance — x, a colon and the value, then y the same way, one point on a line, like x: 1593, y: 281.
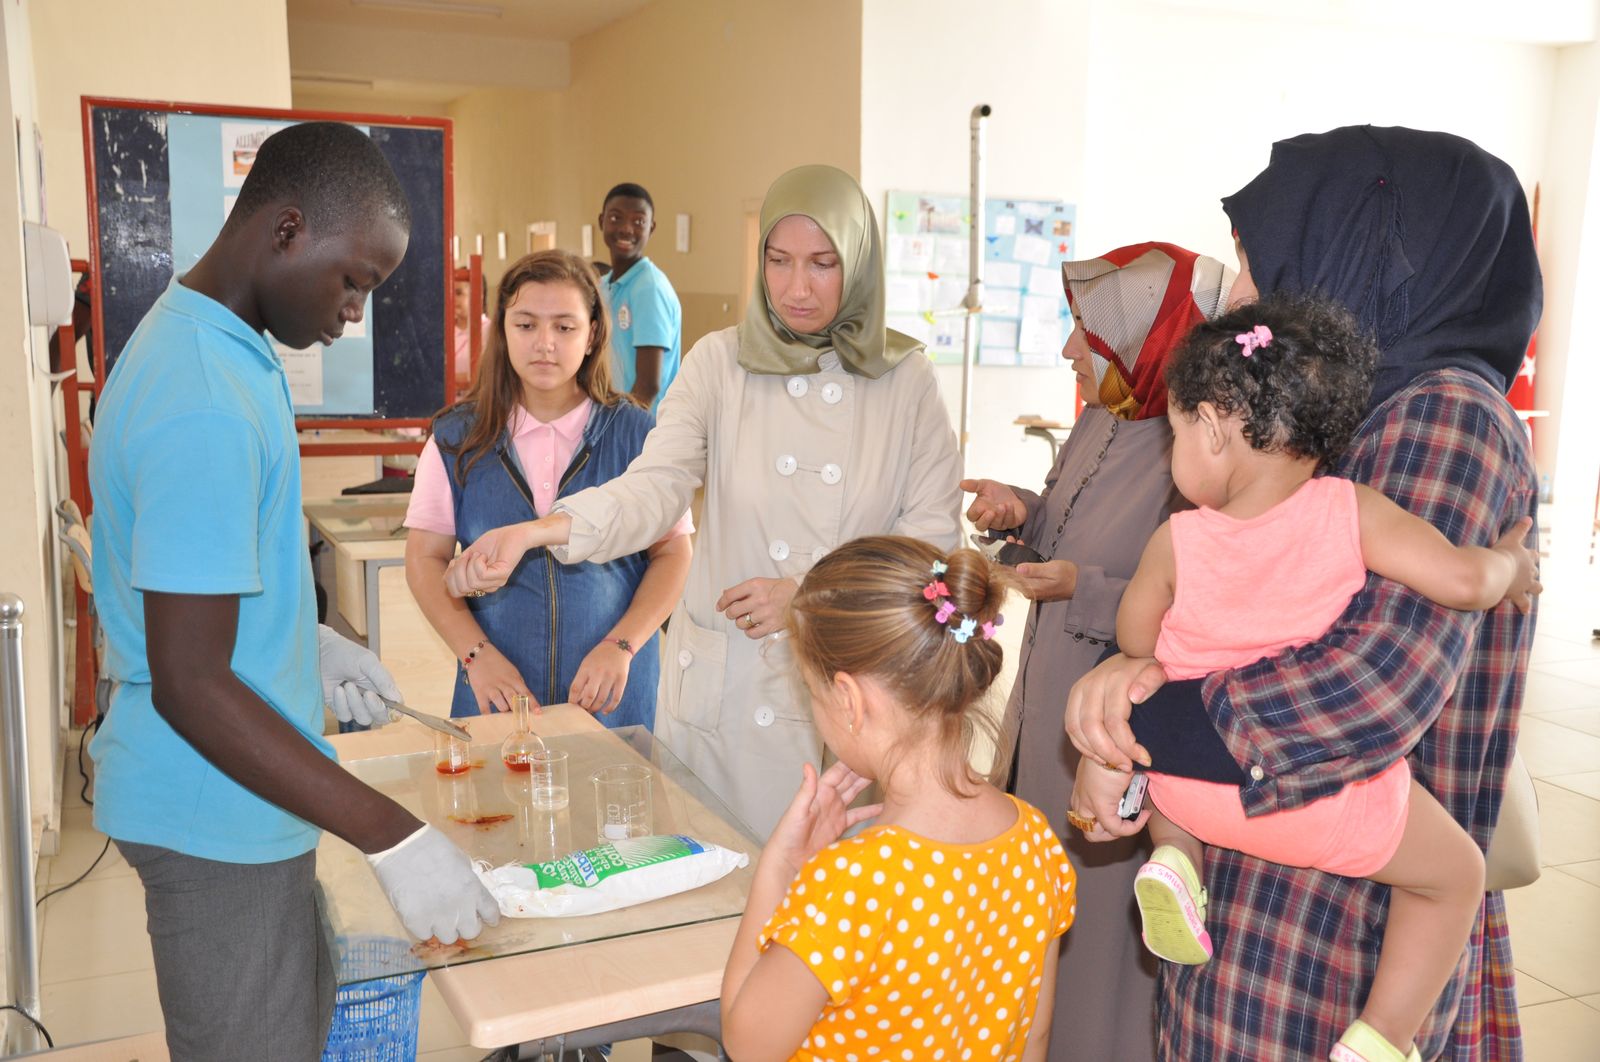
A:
x: 375, y: 1021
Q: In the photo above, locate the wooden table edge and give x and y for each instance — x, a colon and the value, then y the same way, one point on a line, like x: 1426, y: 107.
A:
x: 560, y: 1004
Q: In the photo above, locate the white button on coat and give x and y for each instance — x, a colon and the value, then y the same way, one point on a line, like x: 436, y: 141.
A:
x: 685, y: 658
x: 765, y: 716
x: 779, y: 550
x: 818, y: 553
x: 831, y: 393
x: 832, y: 474
x: 786, y: 464
x: 798, y: 386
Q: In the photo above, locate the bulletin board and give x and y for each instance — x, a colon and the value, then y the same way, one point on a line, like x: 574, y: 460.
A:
x: 1025, y: 316
x: 162, y: 178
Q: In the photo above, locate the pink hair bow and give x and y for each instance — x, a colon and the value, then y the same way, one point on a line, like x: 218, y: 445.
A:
x: 945, y: 610
x: 988, y: 628
x: 1254, y: 340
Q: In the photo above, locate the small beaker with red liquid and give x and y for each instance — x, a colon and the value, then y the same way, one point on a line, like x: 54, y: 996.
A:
x: 451, y: 755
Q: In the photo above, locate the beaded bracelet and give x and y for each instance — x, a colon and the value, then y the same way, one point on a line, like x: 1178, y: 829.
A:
x: 472, y: 654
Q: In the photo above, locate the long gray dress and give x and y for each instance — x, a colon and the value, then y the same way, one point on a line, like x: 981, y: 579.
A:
x: 1109, y: 490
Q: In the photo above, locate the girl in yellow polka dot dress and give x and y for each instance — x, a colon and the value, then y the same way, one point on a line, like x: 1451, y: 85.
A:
x: 930, y: 934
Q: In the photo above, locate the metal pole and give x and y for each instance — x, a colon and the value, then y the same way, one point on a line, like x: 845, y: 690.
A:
x: 974, y: 299
x: 16, y: 841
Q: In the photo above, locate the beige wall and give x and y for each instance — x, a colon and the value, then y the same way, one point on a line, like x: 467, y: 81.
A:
x: 702, y: 103
x: 28, y: 556
x: 511, y: 169
x: 1568, y: 443
x: 194, y: 51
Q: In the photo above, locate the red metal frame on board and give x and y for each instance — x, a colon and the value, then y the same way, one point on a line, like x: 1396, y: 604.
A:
x: 88, y: 103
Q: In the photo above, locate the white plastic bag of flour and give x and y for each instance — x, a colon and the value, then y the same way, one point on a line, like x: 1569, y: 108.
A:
x: 617, y: 874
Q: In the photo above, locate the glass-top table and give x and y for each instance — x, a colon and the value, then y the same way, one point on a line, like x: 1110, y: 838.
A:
x: 488, y: 812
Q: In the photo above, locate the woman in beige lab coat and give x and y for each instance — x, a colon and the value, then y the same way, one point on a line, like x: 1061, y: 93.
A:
x: 809, y: 424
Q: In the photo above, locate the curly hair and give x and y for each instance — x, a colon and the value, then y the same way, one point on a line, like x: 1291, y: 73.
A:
x: 1304, y: 393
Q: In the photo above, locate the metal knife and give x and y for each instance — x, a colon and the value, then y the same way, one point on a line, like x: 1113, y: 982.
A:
x: 431, y: 721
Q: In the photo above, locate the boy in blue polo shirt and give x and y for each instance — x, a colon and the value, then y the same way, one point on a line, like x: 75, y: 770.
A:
x: 212, y: 774
x: 648, y: 320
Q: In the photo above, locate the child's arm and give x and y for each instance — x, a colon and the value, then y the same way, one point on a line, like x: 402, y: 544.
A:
x: 1038, y: 1046
x: 1409, y: 550
x: 770, y: 999
x: 1148, y: 596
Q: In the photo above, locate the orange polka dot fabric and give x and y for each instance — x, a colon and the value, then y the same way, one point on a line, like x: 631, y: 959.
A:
x: 929, y: 951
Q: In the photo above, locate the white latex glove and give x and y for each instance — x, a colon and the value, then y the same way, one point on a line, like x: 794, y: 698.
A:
x: 350, y: 675
x: 430, y: 884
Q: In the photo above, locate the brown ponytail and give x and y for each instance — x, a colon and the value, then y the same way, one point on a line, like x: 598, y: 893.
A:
x: 862, y: 610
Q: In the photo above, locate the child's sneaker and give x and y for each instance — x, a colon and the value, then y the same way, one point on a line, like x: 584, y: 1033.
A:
x: 1172, y: 903
x: 1362, y: 1043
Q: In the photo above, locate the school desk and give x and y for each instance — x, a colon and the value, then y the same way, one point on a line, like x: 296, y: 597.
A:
x: 641, y: 971
x: 368, y: 541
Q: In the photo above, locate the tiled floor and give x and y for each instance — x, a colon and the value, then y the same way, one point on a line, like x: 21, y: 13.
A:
x: 98, y: 981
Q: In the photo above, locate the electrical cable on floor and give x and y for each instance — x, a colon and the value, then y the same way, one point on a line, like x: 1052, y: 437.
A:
x: 84, y: 793
x: 32, y: 1021
x: 103, y: 850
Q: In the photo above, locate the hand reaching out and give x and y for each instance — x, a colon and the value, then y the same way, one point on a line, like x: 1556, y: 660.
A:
x: 996, y: 506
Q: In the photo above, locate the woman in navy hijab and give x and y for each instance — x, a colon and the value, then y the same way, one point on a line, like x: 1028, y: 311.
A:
x: 1426, y: 238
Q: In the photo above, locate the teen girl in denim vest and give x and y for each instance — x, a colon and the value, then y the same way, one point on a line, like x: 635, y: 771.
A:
x: 542, y: 421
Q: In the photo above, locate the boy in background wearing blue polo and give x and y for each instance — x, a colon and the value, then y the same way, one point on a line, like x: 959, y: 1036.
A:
x: 212, y: 774
x: 648, y: 320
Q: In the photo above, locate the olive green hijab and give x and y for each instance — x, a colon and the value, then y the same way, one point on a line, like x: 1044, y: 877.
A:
x: 834, y: 200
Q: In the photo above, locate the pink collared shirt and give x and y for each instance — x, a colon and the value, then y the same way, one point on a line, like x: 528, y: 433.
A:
x: 464, y: 346
x: 543, y: 450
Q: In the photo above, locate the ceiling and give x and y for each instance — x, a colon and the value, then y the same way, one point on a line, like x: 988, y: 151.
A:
x: 546, y: 20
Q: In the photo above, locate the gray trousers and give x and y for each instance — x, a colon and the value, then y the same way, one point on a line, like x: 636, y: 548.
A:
x: 243, y: 966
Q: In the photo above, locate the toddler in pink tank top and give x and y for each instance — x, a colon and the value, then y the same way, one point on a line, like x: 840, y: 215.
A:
x: 1262, y: 401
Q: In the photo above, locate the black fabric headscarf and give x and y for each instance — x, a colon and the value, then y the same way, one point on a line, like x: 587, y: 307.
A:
x: 1424, y: 236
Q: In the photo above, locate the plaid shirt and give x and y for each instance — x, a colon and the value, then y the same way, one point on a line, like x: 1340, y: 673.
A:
x: 1295, y: 950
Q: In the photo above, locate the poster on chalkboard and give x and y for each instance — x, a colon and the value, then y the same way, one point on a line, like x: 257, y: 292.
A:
x: 209, y: 158
x: 163, y: 179
x: 1025, y: 317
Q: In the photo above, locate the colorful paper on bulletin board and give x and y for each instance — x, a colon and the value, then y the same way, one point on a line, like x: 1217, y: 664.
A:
x: 1025, y: 318
x: 209, y: 158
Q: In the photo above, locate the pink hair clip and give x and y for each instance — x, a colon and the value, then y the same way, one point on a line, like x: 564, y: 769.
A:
x: 988, y: 627
x: 945, y: 610
x: 1254, y: 340
x: 935, y: 589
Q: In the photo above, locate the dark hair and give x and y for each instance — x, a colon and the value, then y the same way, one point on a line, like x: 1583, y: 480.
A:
x: 1304, y: 393
x: 332, y: 171
x: 632, y: 191
x: 496, y: 391
x: 862, y: 610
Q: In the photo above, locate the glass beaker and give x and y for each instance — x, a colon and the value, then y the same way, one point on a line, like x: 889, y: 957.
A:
x: 451, y: 755
x: 520, y: 745
x: 622, y: 801
x: 547, y: 768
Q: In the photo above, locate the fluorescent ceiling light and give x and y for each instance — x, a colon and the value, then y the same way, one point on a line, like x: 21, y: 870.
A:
x: 436, y: 7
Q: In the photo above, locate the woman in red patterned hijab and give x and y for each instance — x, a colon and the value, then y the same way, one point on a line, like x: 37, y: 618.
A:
x: 1134, y: 304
